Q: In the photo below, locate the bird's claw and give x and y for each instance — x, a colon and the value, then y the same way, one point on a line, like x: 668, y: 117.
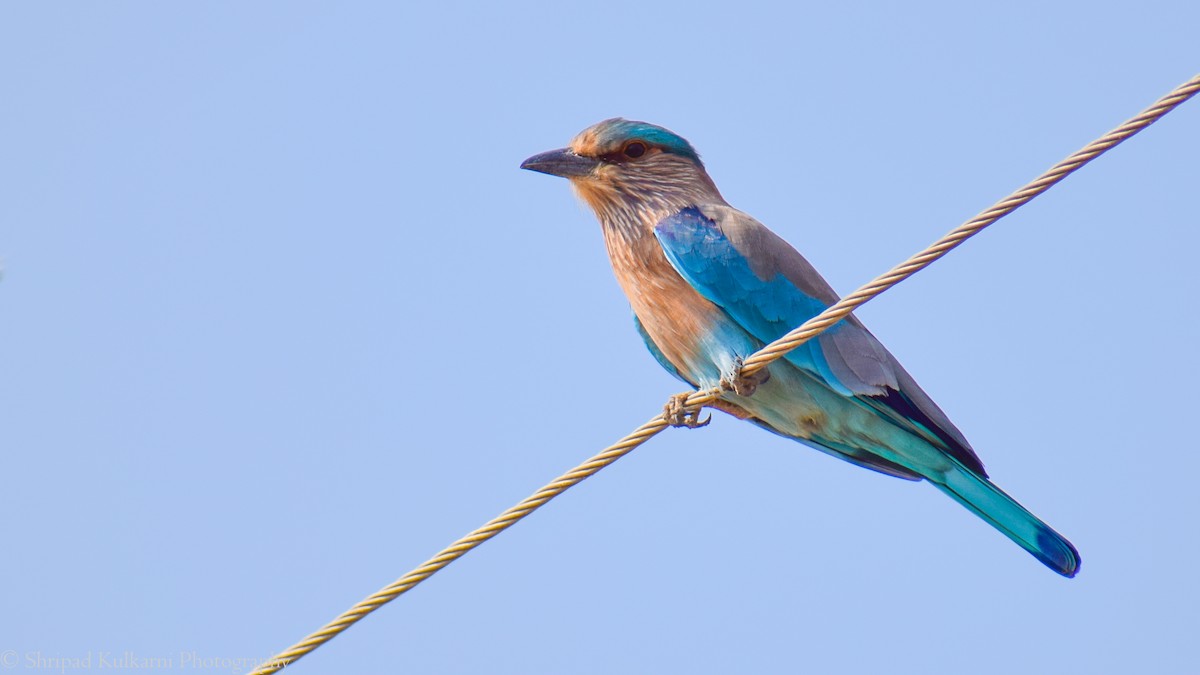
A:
x: 744, y: 385
x: 677, y: 413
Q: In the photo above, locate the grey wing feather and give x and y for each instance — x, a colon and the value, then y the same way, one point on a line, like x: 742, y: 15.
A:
x: 860, y: 362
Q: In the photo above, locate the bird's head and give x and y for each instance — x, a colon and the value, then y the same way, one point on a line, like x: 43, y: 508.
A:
x: 620, y: 164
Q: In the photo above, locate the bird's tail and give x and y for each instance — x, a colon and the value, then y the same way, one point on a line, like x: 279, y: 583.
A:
x: 1004, y: 513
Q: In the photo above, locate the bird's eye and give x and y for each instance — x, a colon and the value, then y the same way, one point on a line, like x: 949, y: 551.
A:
x: 635, y: 149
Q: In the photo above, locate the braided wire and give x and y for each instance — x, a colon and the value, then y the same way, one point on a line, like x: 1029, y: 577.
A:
x: 958, y: 235
x: 753, y: 364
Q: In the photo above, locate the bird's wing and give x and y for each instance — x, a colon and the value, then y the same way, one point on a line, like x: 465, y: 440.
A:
x: 768, y: 288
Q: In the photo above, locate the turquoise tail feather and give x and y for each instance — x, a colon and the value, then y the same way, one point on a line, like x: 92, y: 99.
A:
x: 1004, y: 513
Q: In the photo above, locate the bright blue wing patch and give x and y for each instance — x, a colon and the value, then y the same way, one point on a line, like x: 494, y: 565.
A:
x: 767, y: 309
x: 699, y: 249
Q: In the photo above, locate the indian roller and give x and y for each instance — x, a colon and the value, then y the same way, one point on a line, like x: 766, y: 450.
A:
x: 709, y: 286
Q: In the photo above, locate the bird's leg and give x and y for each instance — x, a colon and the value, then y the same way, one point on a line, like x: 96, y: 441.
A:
x: 743, y: 385
x: 677, y: 413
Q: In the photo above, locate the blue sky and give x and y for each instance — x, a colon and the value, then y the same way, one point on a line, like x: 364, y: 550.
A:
x: 280, y: 318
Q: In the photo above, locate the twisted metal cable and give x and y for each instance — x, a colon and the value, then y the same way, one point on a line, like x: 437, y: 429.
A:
x: 958, y: 235
x: 753, y: 364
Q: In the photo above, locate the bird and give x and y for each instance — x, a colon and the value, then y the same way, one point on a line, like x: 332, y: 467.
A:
x: 709, y: 285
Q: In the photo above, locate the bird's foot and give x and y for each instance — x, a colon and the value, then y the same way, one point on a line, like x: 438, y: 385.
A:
x: 677, y: 413
x: 744, y: 385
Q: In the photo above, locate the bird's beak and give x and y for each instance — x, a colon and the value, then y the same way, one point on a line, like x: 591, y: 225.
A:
x: 562, y: 162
